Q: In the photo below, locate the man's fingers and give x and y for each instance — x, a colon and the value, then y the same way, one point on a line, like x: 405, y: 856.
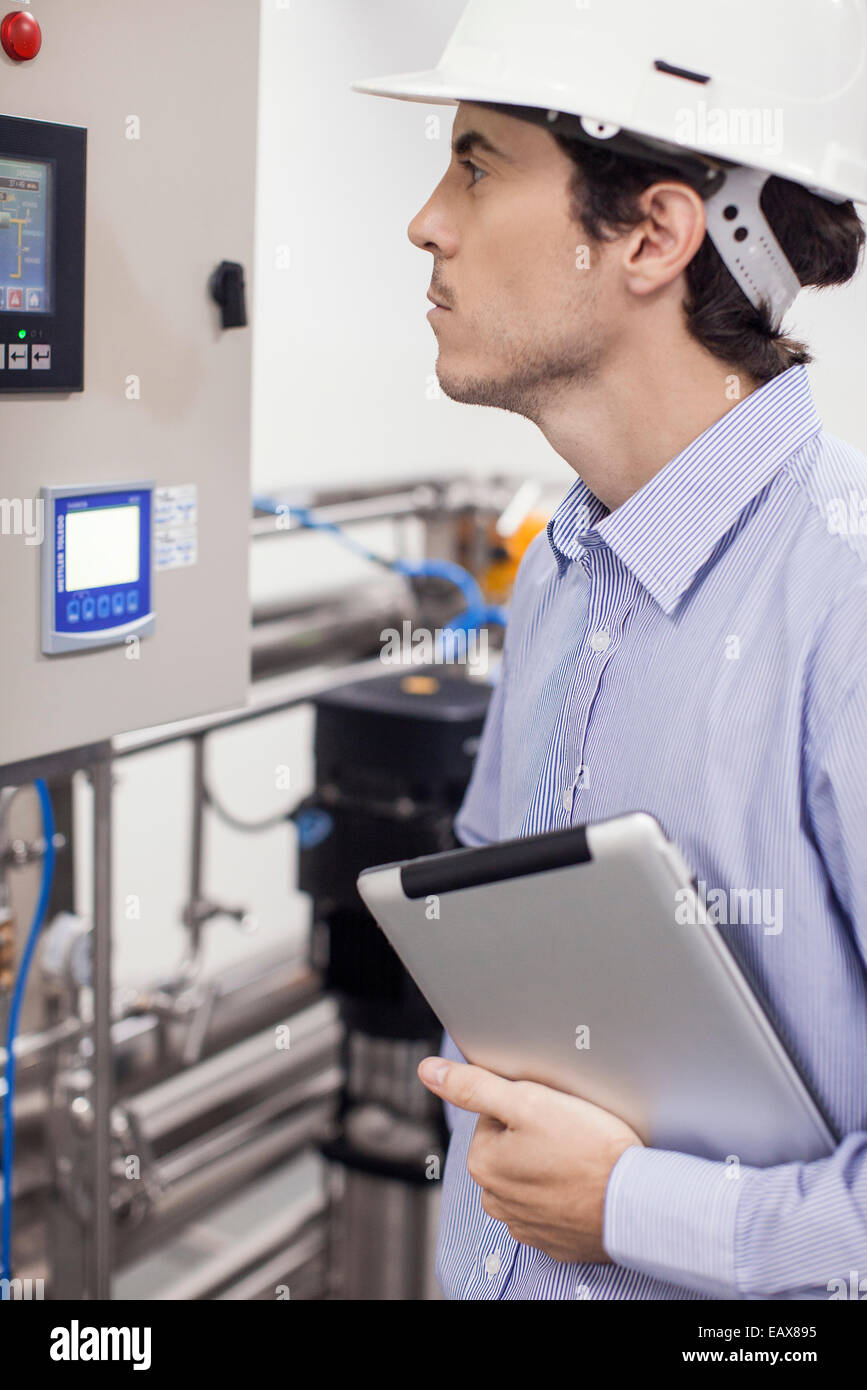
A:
x: 470, y: 1088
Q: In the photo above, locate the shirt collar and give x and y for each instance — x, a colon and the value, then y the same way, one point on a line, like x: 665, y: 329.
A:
x: 666, y: 530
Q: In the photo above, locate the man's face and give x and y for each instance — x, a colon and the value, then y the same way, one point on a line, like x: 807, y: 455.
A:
x: 523, y: 318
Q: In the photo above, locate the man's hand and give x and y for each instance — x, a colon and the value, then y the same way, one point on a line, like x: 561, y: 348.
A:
x: 541, y: 1158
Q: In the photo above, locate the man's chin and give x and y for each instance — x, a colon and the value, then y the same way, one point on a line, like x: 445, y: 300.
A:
x: 462, y: 388
x: 469, y: 389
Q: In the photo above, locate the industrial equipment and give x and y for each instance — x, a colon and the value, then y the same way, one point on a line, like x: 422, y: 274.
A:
x: 42, y: 233
x: 120, y: 383
x: 393, y: 758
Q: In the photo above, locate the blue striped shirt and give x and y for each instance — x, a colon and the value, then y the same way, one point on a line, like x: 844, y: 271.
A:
x: 701, y: 653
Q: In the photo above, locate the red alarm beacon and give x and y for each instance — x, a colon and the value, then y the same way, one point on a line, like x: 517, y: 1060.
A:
x: 20, y: 35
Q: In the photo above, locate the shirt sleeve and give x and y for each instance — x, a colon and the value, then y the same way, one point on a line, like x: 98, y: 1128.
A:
x: 790, y: 1231
x: 797, y: 1229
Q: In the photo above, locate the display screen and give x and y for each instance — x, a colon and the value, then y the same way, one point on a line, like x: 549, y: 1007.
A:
x: 102, y: 547
x: 26, y: 252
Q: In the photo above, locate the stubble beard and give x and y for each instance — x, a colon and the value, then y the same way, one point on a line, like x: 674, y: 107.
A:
x: 533, y: 379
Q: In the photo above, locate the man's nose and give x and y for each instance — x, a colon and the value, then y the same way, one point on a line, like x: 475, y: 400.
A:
x: 429, y: 230
x: 418, y: 229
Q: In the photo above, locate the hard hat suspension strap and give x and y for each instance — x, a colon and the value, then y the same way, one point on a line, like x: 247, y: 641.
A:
x: 743, y: 237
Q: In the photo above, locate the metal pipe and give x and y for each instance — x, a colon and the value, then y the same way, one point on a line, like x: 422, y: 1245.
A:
x: 266, y: 986
x: 302, y: 1267
x: 347, y: 623
x: 226, y: 1141
x: 291, y: 1238
x: 98, y: 1262
x: 376, y: 507
x: 196, y: 906
x: 247, y: 1068
x: 196, y: 1192
x: 364, y: 596
x: 347, y: 507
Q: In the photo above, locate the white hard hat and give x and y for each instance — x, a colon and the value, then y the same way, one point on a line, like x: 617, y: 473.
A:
x: 773, y: 86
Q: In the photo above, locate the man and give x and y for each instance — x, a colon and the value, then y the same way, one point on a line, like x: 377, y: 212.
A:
x: 688, y: 637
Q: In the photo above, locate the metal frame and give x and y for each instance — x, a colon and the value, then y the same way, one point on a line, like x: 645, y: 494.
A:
x: 88, y: 1255
x: 85, y: 1248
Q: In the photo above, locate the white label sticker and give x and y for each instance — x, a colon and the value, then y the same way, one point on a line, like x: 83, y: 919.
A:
x: 176, y: 530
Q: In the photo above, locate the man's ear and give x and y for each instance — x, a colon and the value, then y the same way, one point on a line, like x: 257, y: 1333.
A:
x: 660, y: 247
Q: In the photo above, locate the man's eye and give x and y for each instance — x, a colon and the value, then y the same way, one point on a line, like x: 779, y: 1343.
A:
x: 468, y: 164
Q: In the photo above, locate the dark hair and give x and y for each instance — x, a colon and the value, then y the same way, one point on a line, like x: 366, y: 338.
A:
x: 822, y: 240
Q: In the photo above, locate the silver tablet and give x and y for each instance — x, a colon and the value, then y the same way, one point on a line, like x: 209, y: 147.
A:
x: 584, y: 959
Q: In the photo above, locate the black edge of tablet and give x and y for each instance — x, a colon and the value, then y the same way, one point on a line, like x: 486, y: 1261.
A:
x: 474, y: 865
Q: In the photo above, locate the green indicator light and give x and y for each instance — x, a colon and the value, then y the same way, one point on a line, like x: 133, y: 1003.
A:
x: 22, y: 333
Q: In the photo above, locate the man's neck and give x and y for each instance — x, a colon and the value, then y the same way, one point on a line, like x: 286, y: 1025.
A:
x: 633, y: 417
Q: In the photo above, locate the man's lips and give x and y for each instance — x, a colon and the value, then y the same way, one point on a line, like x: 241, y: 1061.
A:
x: 436, y: 303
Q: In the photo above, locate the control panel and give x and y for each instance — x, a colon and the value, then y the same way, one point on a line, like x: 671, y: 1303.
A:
x: 42, y: 218
x: 97, y: 565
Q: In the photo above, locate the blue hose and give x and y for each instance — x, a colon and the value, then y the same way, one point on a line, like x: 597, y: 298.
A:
x: 445, y: 569
x: 12, y: 1028
x: 304, y: 517
x: 476, y: 611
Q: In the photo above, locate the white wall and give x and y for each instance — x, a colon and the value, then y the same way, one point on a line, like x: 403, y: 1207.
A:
x: 344, y: 353
x: 832, y: 322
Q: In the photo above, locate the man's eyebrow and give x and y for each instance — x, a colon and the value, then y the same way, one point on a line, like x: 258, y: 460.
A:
x: 474, y: 140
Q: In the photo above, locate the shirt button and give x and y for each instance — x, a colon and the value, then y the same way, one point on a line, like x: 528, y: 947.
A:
x: 600, y: 640
x: 492, y: 1264
x: 567, y: 798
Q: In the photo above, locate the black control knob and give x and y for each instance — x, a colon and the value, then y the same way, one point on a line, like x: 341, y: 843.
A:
x: 227, y: 289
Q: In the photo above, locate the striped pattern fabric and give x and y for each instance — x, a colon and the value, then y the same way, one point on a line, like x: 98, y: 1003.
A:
x: 701, y: 653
